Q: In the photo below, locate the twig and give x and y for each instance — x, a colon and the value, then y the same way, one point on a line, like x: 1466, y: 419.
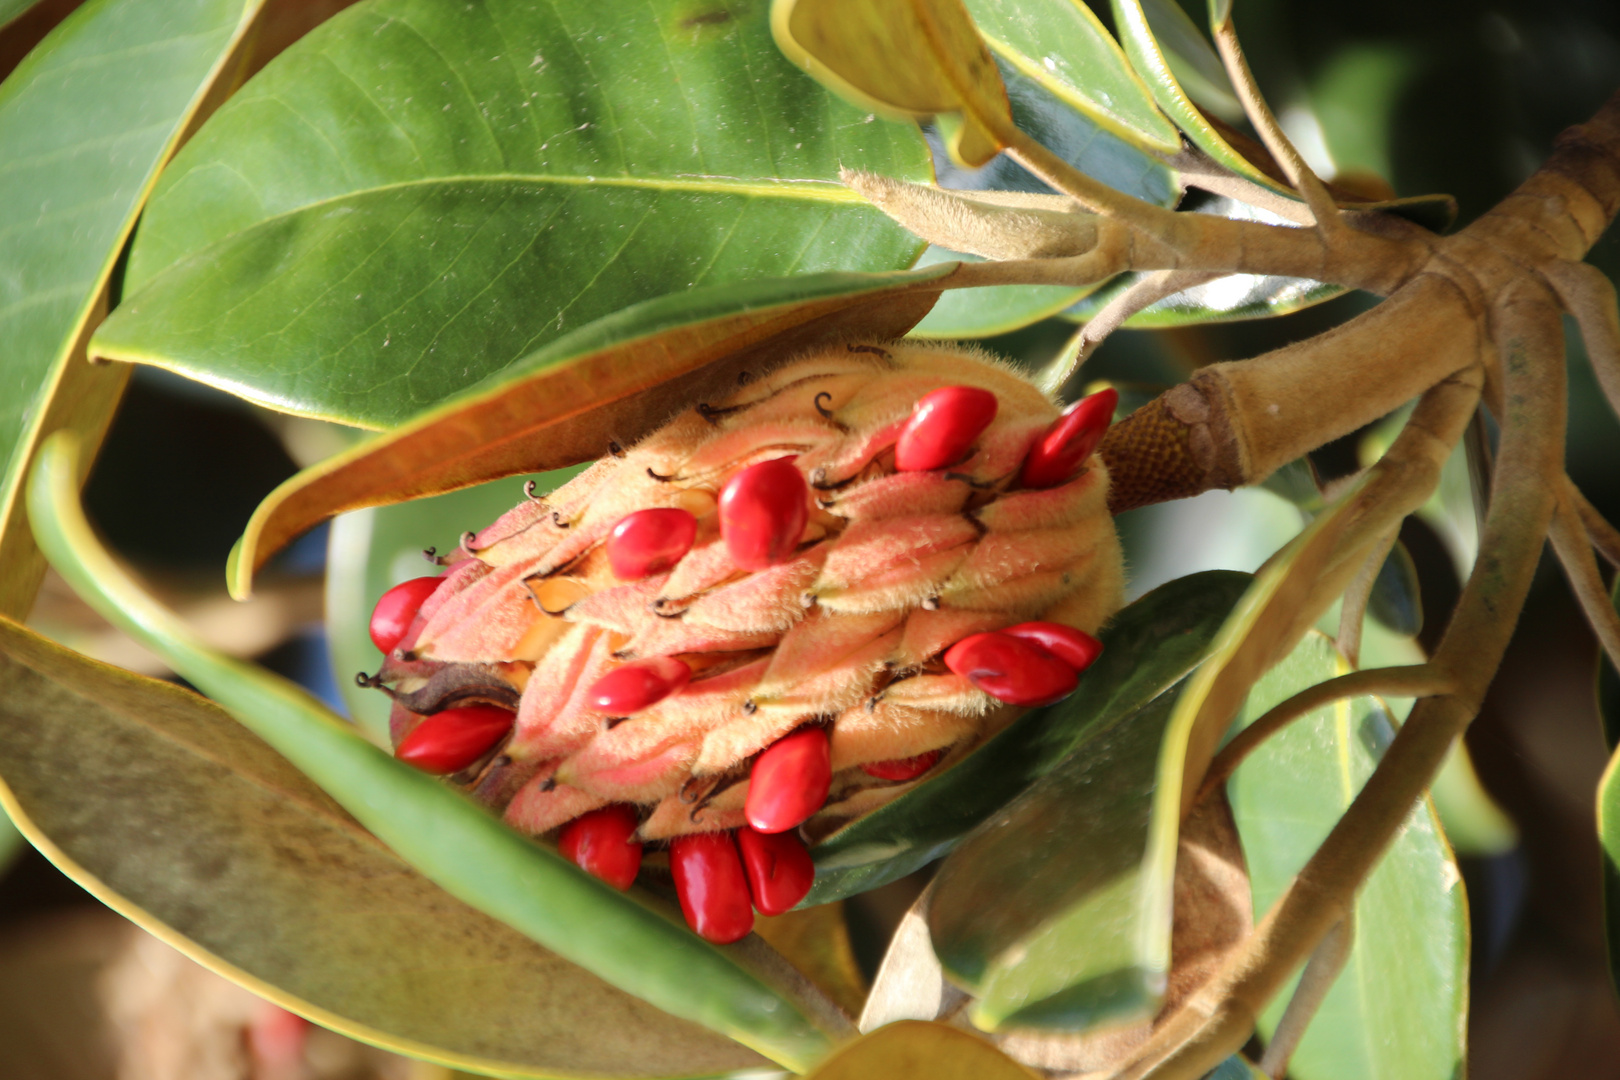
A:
x: 1320, y: 973
x: 1417, y: 680
x: 1140, y: 295
x: 1580, y: 568
x: 1299, y: 174
x: 1604, y: 537
x: 1220, y: 1016
x: 1589, y: 296
x: 1198, y: 170
x: 1356, y: 597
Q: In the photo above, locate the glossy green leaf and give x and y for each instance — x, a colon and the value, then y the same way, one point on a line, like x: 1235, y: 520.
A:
x: 1056, y: 911
x: 1400, y: 1005
x: 1064, y: 47
x: 157, y: 802
x: 86, y: 121
x: 1147, y: 648
x: 474, y: 181
x: 1093, y: 148
x: 372, y: 550
x: 1073, y: 136
x: 632, y: 942
x: 615, y: 379
x: 993, y: 309
x: 1165, y: 46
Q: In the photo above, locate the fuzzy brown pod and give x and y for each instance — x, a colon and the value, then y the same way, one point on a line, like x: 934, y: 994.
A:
x: 776, y: 613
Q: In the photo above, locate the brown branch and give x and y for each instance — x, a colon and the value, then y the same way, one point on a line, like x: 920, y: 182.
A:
x: 1235, y: 423
x: 1299, y: 174
x: 1574, y: 552
x: 1604, y: 537
x: 1320, y: 973
x: 1418, y: 680
x: 1354, y: 612
x: 1219, y: 1018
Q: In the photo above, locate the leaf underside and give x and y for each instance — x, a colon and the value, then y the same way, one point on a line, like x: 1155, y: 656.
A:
x: 165, y: 808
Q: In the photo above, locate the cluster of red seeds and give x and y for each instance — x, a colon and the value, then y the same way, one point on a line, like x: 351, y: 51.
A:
x: 722, y: 877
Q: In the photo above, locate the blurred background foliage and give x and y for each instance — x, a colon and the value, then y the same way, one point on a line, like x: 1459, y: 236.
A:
x: 1455, y: 96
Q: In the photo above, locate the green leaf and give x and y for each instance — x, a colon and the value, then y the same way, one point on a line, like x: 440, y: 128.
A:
x: 1056, y: 912
x: 1062, y: 46
x: 180, y: 819
x: 631, y: 941
x: 86, y: 121
x: 1165, y: 47
x: 614, y: 379
x: 1147, y: 648
x: 473, y: 181
x: 372, y: 550
x: 1093, y: 148
x: 993, y: 309
x: 1400, y: 1005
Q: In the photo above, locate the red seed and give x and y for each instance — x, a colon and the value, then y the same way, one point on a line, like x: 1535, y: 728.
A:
x: 397, y: 609
x: 627, y: 690
x: 1074, y: 647
x: 906, y: 768
x: 789, y: 780
x: 1011, y: 669
x: 649, y: 542
x: 451, y: 740
x: 710, y: 884
x: 602, y: 843
x: 780, y: 871
x: 763, y: 511
x: 942, y: 428
x: 1058, y: 454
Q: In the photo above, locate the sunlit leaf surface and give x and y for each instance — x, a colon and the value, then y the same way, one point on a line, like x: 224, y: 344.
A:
x: 86, y: 121
x: 474, y: 181
x: 1398, y: 1007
